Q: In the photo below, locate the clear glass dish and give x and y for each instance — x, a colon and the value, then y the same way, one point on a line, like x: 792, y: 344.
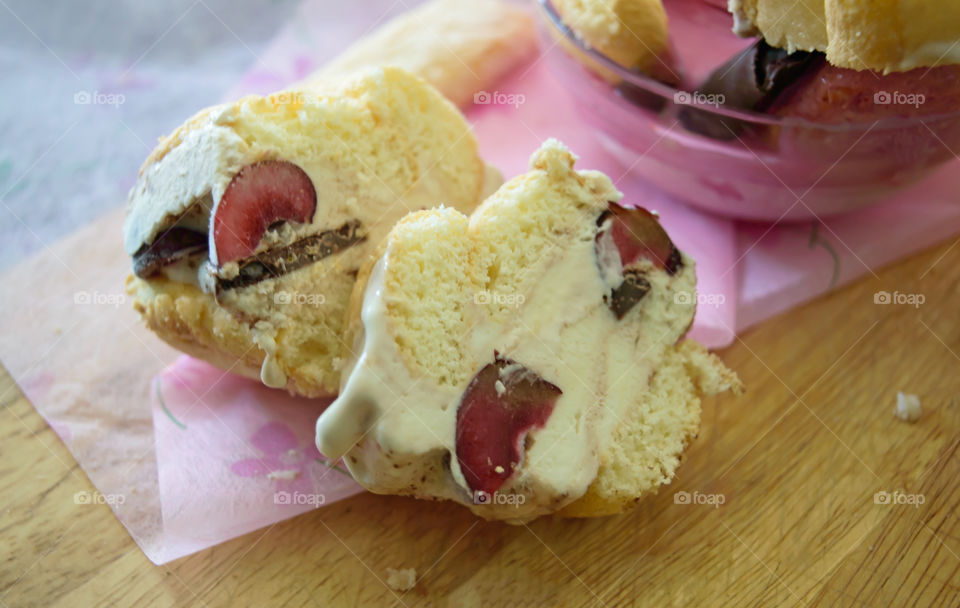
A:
x: 754, y: 166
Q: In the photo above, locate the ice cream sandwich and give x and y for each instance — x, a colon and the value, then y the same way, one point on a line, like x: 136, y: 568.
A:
x: 526, y: 359
x: 248, y: 224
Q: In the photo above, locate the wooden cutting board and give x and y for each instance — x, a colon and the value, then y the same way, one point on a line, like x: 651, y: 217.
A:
x: 796, y: 462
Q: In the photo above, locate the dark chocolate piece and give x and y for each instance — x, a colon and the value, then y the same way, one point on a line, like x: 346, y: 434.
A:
x: 674, y: 262
x: 751, y: 80
x: 281, y: 260
x: 628, y: 294
x: 170, y: 246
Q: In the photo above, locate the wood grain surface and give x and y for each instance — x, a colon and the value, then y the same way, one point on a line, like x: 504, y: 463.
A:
x: 796, y: 462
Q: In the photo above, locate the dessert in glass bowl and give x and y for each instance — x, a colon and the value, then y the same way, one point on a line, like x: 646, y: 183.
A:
x: 802, y: 120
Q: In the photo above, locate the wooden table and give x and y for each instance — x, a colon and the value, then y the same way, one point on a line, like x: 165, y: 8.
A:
x: 797, y: 460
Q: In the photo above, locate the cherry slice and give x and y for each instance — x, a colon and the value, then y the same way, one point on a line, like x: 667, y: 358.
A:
x: 637, y: 233
x: 172, y: 245
x: 501, y: 405
x: 258, y: 196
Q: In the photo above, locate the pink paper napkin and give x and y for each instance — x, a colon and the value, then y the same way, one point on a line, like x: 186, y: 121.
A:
x: 234, y: 456
x: 783, y: 267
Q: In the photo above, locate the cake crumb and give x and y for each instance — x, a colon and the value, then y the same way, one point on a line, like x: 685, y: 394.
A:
x: 286, y: 474
x: 908, y: 407
x: 402, y: 579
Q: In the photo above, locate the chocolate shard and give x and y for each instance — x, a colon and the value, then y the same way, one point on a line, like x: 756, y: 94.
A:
x: 276, y: 262
x: 674, y: 261
x: 626, y: 295
x: 752, y: 79
x: 170, y: 246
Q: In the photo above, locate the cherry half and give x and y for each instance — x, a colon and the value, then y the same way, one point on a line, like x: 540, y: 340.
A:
x: 637, y: 233
x: 501, y: 405
x: 259, y: 196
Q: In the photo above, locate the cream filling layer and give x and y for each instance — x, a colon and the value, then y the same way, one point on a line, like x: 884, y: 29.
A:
x: 202, y: 164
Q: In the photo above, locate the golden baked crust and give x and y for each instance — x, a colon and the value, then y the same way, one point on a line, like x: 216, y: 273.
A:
x: 648, y: 449
x: 882, y: 35
x: 190, y: 321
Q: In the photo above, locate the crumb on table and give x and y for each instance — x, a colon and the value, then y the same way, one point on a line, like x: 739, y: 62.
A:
x: 402, y: 579
x: 908, y: 407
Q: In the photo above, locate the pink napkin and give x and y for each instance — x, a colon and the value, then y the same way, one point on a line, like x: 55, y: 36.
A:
x: 234, y: 455
x: 783, y: 267
x: 231, y: 455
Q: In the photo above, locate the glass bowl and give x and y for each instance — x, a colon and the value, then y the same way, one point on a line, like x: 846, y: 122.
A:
x: 740, y: 163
